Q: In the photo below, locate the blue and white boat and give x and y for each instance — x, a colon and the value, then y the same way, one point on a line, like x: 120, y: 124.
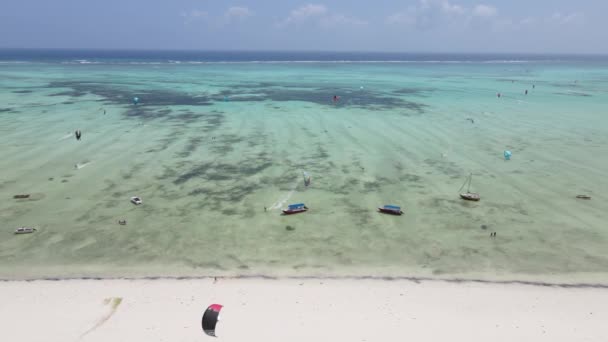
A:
x: 391, y: 209
x: 295, y: 209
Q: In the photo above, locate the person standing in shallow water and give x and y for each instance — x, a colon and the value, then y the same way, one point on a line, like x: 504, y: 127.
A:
x: 78, y: 134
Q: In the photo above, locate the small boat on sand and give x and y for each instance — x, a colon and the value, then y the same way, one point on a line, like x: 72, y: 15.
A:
x: 21, y: 196
x: 136, y: 200
x: 295, y: 209
x: 469, y: 196
x: 391, y: 209
x: 585, y: 197
x: 24, y: 230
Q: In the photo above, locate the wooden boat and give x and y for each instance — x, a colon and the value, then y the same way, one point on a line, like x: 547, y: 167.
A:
x: 22, y: 196
x: 391, y: 209
x: 136, y: 200
x: 24, y: 230
x: 295, y: 209
x: 585, y: 197
x: 469, y: 196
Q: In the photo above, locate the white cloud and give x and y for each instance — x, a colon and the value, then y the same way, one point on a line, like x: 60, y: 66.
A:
x: 232, y: 14
x: 307, y: 11
x: 238, y: 12
x: 320, y: 15
x: 439, y: 5
x: 446, y: 7
x: 566, y: 18
x: 485, y: 11
x: 340, y: 20
x: 193, y: 15
x: 428, y: 13
x: 541, y: 23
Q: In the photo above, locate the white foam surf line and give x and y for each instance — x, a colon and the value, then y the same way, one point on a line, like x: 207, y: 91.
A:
x: 279, y: 204
x: 67, y: 136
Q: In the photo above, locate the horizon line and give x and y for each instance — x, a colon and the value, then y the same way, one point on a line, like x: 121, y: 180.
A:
x: 302, y: 51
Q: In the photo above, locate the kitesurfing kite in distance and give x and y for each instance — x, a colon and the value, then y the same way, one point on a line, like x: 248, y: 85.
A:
x: 210, y: 319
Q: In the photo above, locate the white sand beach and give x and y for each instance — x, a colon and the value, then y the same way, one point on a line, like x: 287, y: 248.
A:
x: 299, y: 310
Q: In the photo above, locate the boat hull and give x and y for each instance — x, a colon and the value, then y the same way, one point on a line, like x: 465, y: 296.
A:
x: 25, y: 231
x: 390, y: 212
x: 470, y: 197
x: 296, y: 211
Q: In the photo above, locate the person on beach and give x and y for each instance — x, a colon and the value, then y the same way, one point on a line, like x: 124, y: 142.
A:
x: 78, y: 134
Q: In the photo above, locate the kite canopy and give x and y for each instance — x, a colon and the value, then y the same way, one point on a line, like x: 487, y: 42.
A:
x: 210, y: 319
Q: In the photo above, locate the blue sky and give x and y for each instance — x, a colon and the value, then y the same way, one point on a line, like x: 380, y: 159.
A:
x: 536, y: 26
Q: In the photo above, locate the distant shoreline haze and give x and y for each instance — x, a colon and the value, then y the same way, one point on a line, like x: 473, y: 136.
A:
x: 112, y: 55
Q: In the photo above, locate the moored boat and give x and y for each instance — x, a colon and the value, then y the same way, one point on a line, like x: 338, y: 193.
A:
x: 24, y: 230
x: 295, y: 209
x: 470, y: 196
x: 391, y: 209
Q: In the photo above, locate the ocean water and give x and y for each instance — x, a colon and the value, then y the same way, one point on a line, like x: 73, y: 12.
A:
x: 218, y: 143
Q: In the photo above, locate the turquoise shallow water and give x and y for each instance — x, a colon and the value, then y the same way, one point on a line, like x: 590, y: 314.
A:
x: 210, y: 145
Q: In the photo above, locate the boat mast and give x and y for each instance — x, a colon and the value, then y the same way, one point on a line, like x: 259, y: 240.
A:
x: 467, y: 182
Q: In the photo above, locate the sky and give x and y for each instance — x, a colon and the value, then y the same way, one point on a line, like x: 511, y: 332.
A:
x: 484, y: 26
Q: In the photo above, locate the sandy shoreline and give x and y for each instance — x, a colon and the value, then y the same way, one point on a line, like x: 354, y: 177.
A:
x: 555, y: 282
x: 299, y: 310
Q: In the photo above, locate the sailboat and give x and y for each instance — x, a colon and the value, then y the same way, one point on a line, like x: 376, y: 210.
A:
x: 469, y: 196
